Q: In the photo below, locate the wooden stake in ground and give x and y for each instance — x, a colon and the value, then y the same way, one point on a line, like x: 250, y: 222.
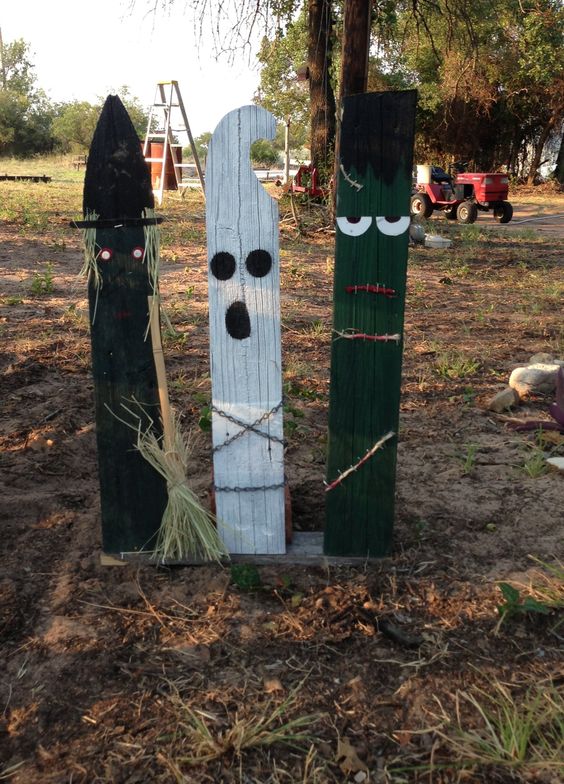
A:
x: 244, y: 274
x: 373, y: 190
x: 117, y: 194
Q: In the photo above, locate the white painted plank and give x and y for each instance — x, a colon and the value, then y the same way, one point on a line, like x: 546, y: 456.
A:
x: 246, y: 370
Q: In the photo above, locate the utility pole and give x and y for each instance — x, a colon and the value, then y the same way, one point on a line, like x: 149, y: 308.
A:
x: 286, y: 177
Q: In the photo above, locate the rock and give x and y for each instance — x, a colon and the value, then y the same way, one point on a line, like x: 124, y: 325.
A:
x: 503, y: 400
x: 539, y: 378
x: 541, y: 357
x: 556, y: 462
x: 416, y: 232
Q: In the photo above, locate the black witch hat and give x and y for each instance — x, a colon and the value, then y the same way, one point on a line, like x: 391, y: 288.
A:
x: 117, y: 185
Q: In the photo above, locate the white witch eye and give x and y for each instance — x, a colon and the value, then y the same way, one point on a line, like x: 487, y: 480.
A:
x: 393, y: 226
x: 354, y: 227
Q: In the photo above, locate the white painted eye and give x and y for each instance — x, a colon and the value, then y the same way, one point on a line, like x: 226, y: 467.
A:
x: 354, y: 227
x: 137, y: 253
x: 393, y: 226
x: 106, y: 254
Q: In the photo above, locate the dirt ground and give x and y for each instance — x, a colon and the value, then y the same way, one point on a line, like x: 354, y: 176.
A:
x: 281, y: 673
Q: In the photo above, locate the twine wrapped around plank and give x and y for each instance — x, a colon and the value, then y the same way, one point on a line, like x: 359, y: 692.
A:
x: 341, y: 478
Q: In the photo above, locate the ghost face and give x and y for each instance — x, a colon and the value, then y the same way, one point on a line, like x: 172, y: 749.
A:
x: 223, y: 266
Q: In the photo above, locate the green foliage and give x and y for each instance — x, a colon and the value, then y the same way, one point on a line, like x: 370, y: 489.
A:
x: 469, y: 458
x: 205, y: 420
x: 488, y: 77
x: 18, y: 68
x: 42, y: 283
x: 25, y: 112
x: 280, y: 91
x: 74, y: 126
x: 263, y: 153
x: 515, y: 605
x: 453, y: 365
x: 201, y: 143
x: 31, y: 124
x: 246, y: 577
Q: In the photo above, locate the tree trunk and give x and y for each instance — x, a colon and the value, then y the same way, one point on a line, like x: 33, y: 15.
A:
x: 559, y: 171
x: 356, y: 43
x: 322, y: 98
x: 537, y: 156
x: 354, y: 59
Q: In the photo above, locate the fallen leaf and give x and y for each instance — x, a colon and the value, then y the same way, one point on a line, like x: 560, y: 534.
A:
x: 271, y: 685
x: 347, y: 757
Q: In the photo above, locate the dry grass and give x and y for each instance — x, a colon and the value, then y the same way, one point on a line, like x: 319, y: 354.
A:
x: 209, y: 738
x: 521, y: 730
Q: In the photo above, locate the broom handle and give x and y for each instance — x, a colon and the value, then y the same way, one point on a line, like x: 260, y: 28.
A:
x: 166, y: 414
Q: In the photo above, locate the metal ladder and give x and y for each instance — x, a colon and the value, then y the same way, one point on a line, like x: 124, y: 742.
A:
x: 167, y: 111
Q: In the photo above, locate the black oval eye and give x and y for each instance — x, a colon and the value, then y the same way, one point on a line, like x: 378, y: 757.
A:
x: 237, y: 321
x: 223, y: 265
x: 259, y: 263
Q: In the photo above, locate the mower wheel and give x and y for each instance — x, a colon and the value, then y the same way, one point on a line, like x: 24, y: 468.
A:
x: 421, y: 206
x: 503, y: 212
x: 450, y: 213
x: 467, y: 212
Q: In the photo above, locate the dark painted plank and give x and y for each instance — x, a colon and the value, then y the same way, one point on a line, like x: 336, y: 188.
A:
x: 133, y: 495
x: 117, y: 186
x: 374, y: 183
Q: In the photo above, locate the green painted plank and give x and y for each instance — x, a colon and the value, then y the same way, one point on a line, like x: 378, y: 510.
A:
x: 374, y: 185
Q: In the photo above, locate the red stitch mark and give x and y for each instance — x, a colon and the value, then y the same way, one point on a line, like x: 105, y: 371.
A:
x: 377, y: 289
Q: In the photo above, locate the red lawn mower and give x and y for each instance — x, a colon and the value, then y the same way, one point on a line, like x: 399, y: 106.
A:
x: 460, y: 196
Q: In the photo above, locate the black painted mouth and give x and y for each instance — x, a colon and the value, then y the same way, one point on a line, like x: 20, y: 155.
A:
x: 237, y: 321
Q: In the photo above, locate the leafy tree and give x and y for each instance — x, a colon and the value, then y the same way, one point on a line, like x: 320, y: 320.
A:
x: 263, y: 153
x: 26, y: 113
x: 201, y: 144
x: 281, y: 58
x: 489, y: 77
x: 135, y: 109
x: 74, y: 125
x: 233, y: 25
x: 17, y: 68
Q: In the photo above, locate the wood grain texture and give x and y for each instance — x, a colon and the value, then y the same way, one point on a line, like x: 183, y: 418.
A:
x: 133, y: 495
x: 374, y: 184
x: 246, y: 367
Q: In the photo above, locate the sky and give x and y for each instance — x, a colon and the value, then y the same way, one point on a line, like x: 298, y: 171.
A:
x: 83, y: 51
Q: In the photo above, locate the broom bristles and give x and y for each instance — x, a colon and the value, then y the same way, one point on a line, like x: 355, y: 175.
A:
x: 187, y: 529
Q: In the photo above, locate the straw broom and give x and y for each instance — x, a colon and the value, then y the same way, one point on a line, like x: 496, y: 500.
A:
x: 187, y: 529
